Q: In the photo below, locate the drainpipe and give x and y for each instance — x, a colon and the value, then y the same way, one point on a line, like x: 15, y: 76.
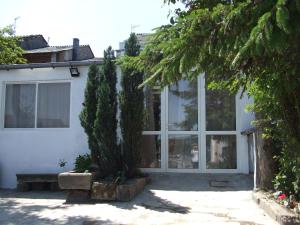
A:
x: 75, y: 49
x: 255, y: 161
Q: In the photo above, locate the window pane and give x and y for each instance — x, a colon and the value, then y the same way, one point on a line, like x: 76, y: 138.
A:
x: 221, y: 152
x: 152, y: 109
x: 20, y: 106
x: 220, y: 111
x: 53, y: 105
x: 150, y: 153
x: 183, y: 151
x: 183, y: 107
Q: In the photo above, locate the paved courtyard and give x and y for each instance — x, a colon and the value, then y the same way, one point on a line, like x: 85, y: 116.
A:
x: 169, y: 199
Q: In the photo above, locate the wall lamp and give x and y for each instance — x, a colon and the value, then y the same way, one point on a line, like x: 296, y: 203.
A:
x: 74, y: 71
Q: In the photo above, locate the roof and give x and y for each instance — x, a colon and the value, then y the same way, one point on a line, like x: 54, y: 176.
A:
x: 48, y: 49
x: 89, y: 62
x: 33, y: 42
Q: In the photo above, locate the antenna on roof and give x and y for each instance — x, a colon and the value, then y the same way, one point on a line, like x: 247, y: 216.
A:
x: 15, y: 24
x: 48, y: 41
x: 132, y: 27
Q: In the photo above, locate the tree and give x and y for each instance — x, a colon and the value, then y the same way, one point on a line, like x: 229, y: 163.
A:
x: 240, y: 45
x: 105, y: 125
x: 88, y: 113
x: 132, y: 106
x: 10, y: 51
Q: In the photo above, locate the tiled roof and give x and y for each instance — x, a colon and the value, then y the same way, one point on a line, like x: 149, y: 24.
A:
x: 30, y: 42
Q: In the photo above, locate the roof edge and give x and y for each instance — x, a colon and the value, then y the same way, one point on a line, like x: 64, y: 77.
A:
x: 51, y: 64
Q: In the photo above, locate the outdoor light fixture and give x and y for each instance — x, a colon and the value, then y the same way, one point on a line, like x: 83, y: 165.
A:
x: 74, y: 71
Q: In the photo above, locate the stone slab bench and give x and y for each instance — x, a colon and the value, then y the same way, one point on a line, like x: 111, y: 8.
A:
x: 37, y: 181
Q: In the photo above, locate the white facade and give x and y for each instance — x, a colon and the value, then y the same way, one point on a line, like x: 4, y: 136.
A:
x: 39, y: 150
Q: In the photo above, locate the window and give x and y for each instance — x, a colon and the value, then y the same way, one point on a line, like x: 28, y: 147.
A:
x: 183, y: 107
x: 52, y: 109
x: 20, y: 106
x: 221, y: 151
x: 220, y: 111
x: 183, y: 151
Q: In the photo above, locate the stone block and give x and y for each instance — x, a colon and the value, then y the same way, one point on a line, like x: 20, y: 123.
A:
x: 103, y: 191
x: 140, y: 184
x: 75, y: 181
x: 126, y: 192
x: 78, y: 196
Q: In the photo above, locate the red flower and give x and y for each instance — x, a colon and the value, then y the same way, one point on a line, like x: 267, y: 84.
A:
x: 282, y: 196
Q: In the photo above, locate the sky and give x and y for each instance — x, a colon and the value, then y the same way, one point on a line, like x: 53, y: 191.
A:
x: 99, y: 23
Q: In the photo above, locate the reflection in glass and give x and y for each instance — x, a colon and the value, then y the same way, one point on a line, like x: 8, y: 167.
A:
x: 220, y: 111
x: 183, y: 107
x: 183, y: 151
x: 152, y: 109
x: 221, y: 152
x: 20, y: 106
x: 150, y: 153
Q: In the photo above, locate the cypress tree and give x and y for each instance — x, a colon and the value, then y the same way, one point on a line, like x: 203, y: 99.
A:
x: 106, y: 123
x: 132, y: 106
x: 88, y: 113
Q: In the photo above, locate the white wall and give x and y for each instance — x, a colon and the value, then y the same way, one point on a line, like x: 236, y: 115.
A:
x: 244, y: 120
x: 39, y: 150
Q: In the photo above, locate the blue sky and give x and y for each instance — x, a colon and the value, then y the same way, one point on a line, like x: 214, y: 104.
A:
x: 99, y: 23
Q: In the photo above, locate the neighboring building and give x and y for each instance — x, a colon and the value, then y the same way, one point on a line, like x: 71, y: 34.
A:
x: 187, y: 128
x: 142, y: 39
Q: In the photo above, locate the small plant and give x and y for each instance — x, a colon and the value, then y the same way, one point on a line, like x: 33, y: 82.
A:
x: 62, y: 163
x: 82, y: 163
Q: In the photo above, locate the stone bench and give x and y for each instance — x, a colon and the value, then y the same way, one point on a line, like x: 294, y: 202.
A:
x: 42, y: 181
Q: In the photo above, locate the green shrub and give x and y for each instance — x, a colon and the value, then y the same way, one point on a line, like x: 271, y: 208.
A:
x: 82, y: 163
x: 288, y: 178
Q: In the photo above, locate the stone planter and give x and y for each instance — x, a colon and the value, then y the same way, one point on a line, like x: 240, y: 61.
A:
x: 103, y: 191
x: 78, y: 185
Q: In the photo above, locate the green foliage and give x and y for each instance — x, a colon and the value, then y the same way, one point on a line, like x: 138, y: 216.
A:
x: 105, y: 124
x: 98, y: 116
x: 243, y: 45
x: 288, y: 178
x: 88, y: 113
x: 132, y: 106
x: 82, y: 163
x: 10, y: 51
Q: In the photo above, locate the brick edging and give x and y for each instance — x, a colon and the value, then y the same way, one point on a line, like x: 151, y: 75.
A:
x: 276, y: 211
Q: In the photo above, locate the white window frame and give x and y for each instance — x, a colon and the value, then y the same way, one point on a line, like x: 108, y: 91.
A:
x: 36, y: 82
x: 201, y: 133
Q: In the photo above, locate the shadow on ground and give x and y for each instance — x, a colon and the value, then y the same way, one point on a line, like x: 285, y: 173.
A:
x: 13, y: 212
x: 16, y: 213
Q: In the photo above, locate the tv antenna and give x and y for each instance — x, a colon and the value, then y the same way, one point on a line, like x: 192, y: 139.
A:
x: 15, y: 24
x: 132, y: 27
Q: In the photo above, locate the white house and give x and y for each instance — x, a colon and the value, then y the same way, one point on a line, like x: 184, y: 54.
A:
x: 187, y: 128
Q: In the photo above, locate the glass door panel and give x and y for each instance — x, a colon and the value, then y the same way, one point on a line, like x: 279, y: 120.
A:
x: 152, y: 103
x: 150, y: 152
x: 183, y: 106
x: 182, y: 126
x: 183, y: 151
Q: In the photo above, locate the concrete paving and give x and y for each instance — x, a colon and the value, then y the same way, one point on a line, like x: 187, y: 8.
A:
x: 169, y: 199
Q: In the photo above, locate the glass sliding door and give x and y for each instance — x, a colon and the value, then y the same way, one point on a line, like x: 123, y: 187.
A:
x: 221, y: 136
x: 183, y: 125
